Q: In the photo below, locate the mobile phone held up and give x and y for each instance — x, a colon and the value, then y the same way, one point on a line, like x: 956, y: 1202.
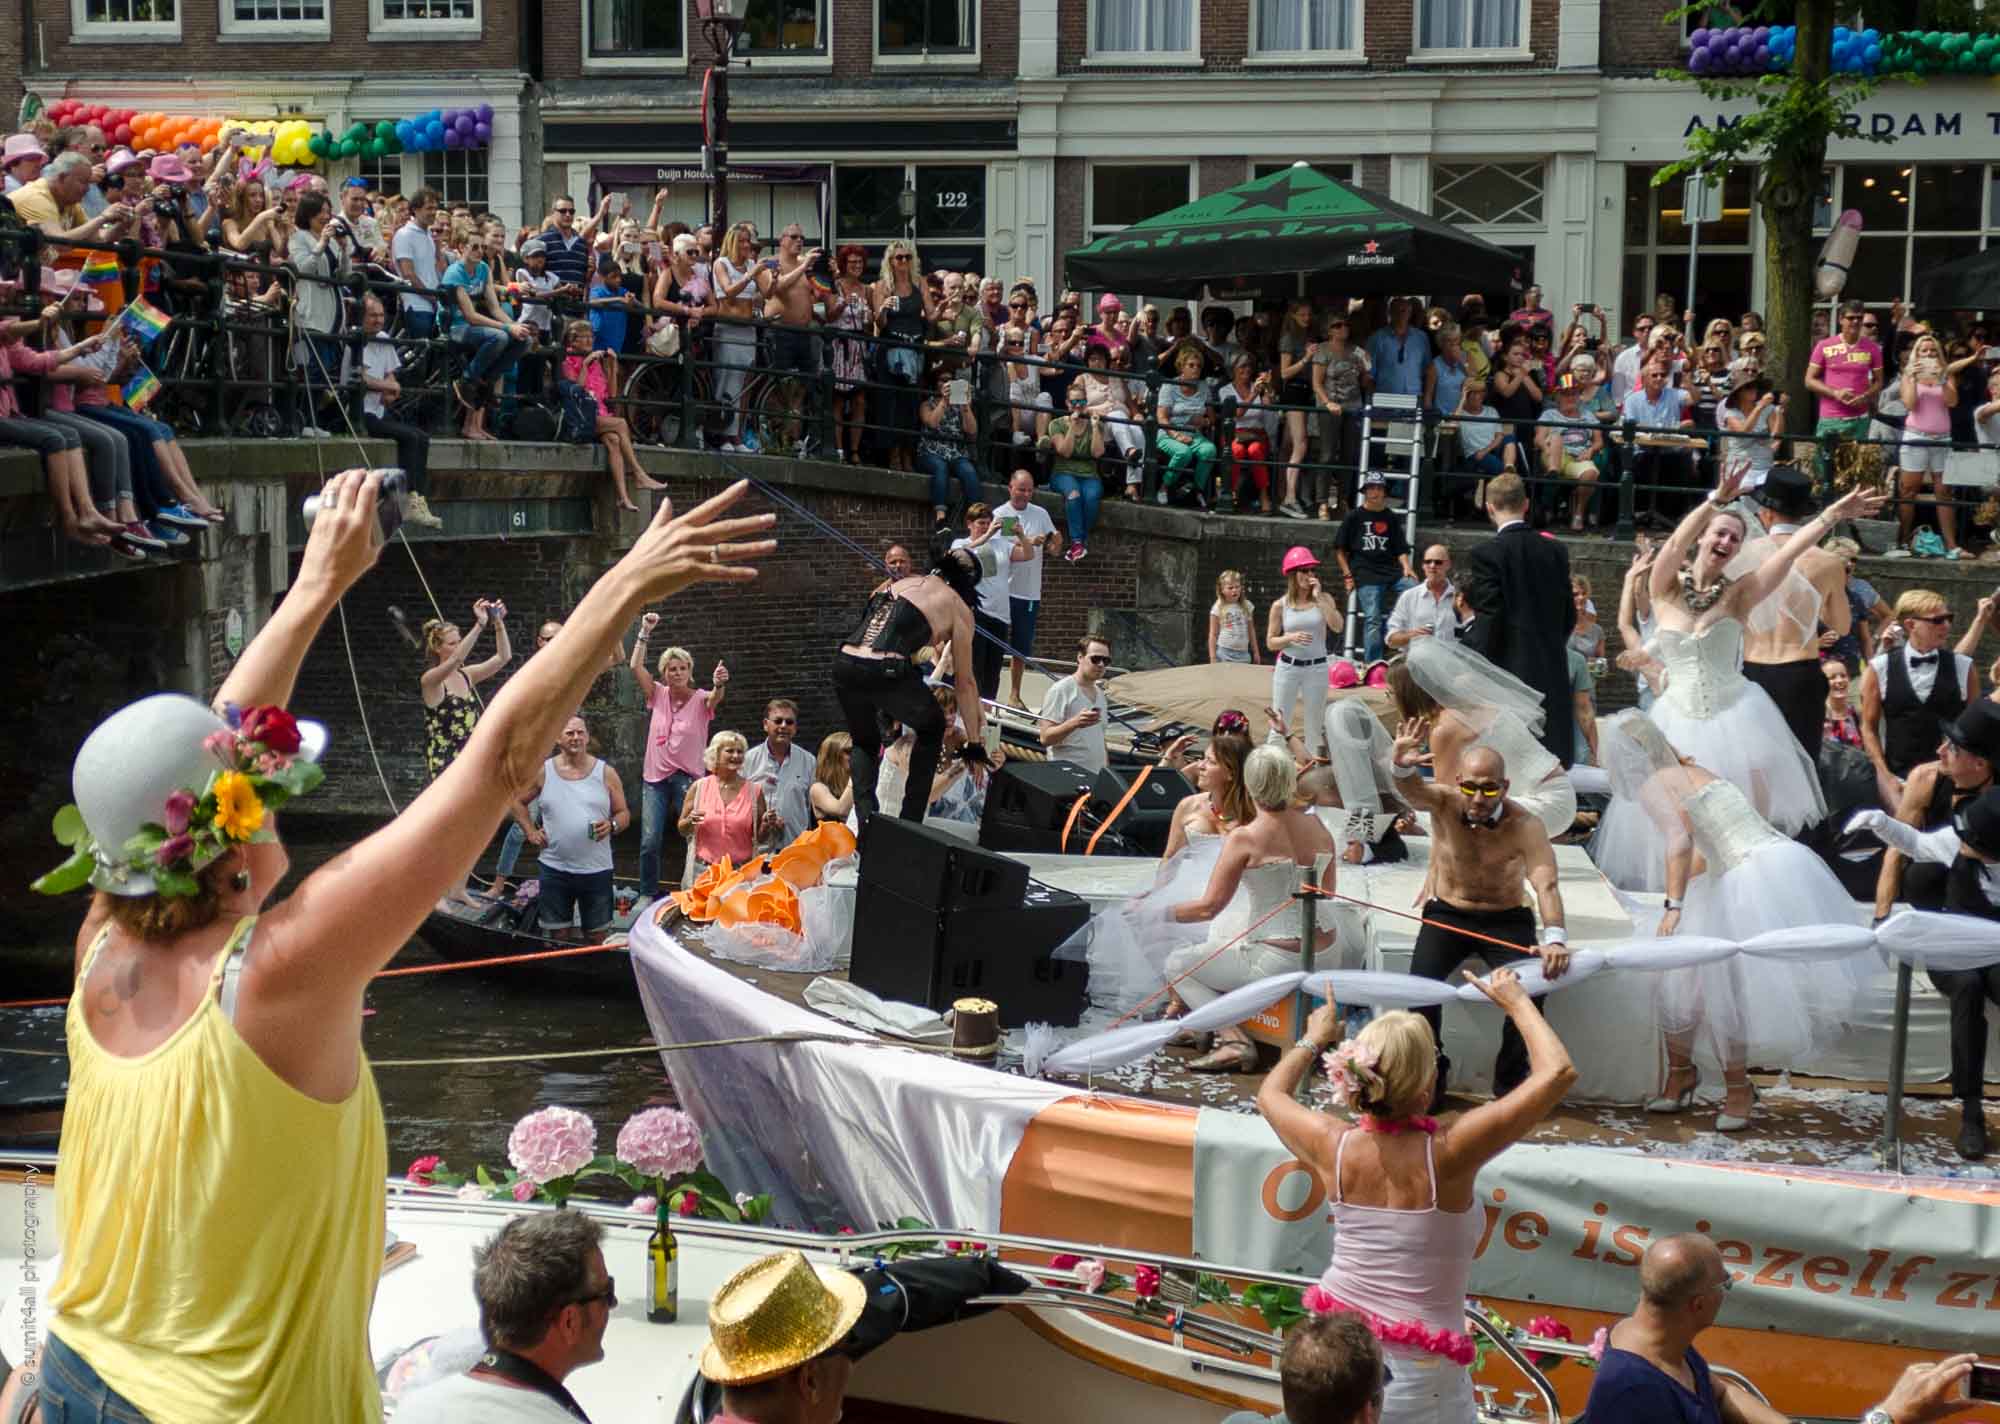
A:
x: 388, y: 507
x: 960, y: 392
x: 1984, y: 1382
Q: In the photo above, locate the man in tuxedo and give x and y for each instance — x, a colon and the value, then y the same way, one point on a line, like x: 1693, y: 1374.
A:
x: 1517, y: 583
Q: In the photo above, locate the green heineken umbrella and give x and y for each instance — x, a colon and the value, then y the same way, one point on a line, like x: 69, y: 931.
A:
x: 1258, y: 238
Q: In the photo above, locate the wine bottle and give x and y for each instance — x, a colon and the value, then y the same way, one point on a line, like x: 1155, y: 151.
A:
x: 663, y: 1286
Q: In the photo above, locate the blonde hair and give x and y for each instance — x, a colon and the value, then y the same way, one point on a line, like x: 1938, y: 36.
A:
x: 669, y: 655
x: 434, y: 631
x: 1242, y: 589
x: 1841, y: 547
x: 1405, y: 1062
x: 1270, y: 777
x: 895, y: 250
x: 713, y: 754
x: 1919, y: 603
x: 733, y: 243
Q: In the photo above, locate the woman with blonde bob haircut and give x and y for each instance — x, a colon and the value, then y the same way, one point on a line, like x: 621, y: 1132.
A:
x: 722, y: 811
x: 1406, y: 1221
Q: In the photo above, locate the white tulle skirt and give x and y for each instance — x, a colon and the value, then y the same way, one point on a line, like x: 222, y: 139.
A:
x: 1127, y: 946
x: 1628, y: 848
x: 1772, y: 1012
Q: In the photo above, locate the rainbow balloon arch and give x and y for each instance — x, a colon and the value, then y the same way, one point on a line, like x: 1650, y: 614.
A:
x: 289, y: 142
x: 1743, y: 51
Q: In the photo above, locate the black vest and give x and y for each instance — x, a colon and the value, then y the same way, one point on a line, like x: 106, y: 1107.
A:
x: 1911, y: 726
x: 1963, y: 891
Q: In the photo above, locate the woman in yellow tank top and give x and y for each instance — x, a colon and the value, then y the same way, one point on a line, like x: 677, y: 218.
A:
x: 222, y: 1163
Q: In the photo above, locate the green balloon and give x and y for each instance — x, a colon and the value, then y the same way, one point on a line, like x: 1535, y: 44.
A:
x: 350, y: 147
x: 384, y: 129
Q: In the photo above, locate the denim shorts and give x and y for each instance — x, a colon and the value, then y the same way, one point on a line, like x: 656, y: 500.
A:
x: 563, y: 893
x: 72, y: 1392
x: 1021, y: 630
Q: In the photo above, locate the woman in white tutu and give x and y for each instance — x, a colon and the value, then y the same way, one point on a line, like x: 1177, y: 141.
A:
x: 1729, y: 875
x: 1471, y: 702
x: 1703, y: 595
x: 1260, y: 867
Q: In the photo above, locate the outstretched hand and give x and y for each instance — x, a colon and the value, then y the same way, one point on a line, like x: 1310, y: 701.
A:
x: 1857, y: 503
x: 699, y: 546
x: 1502, y: 986
x: 1731, y: 483
x: 1408, y: 748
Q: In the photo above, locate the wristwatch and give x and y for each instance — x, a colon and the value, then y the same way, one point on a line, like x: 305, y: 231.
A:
x: 1670, y: 904
x: 1317, y: 1049
x: 1878, y: 1415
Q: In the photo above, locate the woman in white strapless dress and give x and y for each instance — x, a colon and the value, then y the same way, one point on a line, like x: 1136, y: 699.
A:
x: 1730, y: 875
x: 1261, y: 864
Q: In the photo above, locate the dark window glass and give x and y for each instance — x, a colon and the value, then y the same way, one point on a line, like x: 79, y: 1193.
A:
x: 1121, y: 194
x: 951, y: 202
x: 1880, y: 193
x: 1947, y: 197
x: 928, y: 26
x: 865, y: 201
x: 784, y: 27
x: 636, y: 27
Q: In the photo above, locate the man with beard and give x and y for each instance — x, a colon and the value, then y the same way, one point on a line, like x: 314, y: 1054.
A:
x: 1483, y: 845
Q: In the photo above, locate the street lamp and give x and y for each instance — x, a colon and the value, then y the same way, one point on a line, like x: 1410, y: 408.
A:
x: 720, y: 25
x: 906, y: 208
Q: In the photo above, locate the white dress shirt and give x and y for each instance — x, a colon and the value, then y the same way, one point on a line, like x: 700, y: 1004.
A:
x: 1923, y: 676
x: 1420, y: 608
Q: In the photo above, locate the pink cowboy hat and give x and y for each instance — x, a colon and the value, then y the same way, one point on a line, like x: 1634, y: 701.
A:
x: 168, y: 168
x: 1299, y: 557
x: 20, y: 146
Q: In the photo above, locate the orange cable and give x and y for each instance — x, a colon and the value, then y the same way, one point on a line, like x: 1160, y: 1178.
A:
x: 1119, y: 810
x: 1062, y: 846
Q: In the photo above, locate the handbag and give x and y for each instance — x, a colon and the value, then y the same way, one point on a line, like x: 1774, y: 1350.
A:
x: 664, y: 339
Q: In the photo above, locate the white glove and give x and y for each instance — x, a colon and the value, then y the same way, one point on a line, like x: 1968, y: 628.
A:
x: 1870, y: 821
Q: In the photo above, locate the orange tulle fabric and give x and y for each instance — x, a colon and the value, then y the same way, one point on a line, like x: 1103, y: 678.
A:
x: 764, y: 891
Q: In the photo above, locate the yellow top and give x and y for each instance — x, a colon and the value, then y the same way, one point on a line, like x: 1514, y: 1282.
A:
x: 222, y: 1231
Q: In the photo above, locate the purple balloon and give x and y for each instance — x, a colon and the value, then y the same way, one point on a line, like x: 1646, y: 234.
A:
x: 464, y: 125
x: 1699, y: 39
x: 484, y: 113
x: 482, y: 134
x: 453, y: 139
x: 1762, y: 58
x: 1762, y: 34
x: 1719, y: 42
x: 1698, y: 61
x: 450, y: 117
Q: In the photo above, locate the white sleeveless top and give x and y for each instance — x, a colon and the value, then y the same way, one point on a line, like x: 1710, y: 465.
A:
x: 1309, y: 621
x: 568, y: 809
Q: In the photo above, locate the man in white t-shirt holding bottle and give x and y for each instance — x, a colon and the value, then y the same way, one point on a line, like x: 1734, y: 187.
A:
x: 416, y: 258
x: 1074, y: 711
x: 1030, y: 527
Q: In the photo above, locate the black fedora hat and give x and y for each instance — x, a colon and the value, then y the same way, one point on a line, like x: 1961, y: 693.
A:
x: 1978, y: 823
x: 1787, y: 492
x: 1977, y: 730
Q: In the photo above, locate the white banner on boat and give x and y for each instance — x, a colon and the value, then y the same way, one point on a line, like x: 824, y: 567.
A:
x: 1828, y: 1254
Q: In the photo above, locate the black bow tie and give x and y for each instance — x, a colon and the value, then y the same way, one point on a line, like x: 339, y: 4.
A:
x: 1492, y: 825
x: 1920, y: 659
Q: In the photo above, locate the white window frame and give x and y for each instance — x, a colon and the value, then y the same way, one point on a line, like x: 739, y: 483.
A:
x: 442, y: 186
x: 942, y: 59
x: 1539, y: 224
x: 821, y: 62
x: 233, y: 29
x: 1091, y: 230
x: 382, y: 28
x: 656, y: 63
x: 1353, y: 54
x: 1471, y: 54
x: 1150, y: 58
x: 87, y: 31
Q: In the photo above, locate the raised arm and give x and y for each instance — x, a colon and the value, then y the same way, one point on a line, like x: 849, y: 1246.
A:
x: 638, y: 664
x: 1302, y: 1130
x: 1406, y: 755
x: 503, y: 650
x: 433, y: 677
x: 1490, y: 1129
x: 1857, y: 503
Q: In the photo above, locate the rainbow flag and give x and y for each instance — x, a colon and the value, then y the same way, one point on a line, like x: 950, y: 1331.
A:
x: 140, y: 387
x: 143, y: 321
x: 100, y: 268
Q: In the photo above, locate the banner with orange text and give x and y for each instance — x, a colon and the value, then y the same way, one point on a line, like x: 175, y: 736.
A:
x: 1896, y: 1260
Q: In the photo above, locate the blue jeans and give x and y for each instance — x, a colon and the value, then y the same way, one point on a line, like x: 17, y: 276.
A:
x: 72, y: 1392
x: 1376, y: 600
x: 510, y: 852
x: 943, y: 471
x: 659, y: 807
x: 1082, y: 495
x: 420, y: 325
x: 493, y: 351
x: 566, y: 896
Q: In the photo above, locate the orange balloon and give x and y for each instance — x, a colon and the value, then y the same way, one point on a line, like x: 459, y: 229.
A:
x: 208, y: 143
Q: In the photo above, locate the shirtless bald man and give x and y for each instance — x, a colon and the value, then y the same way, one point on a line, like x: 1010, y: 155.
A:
x: 1483, y: 845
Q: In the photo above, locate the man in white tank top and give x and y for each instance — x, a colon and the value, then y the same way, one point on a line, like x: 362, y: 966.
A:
x: 583, y: 806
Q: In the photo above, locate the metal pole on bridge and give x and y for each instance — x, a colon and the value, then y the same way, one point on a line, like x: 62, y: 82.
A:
x: 1899, y: 1044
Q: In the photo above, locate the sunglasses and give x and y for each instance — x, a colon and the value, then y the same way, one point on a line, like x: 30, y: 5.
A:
x: 784, y: 721
x: 900, y: 257
x: 1097, y: 659
x: 1017, y: 306
x: 565, y: 212
x: 1488, y: 790
x: 1435, y: 563
x: 609, y: 1295
x: 1932, y: 618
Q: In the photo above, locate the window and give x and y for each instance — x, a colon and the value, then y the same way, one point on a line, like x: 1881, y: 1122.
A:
x: 1142, y: 27
x: 384, y: 174
x: 125, y: 19
x: 921, y: 27
x: 458, y: 175
x: 1122, y: 194
x: 1487, y: 194
x: 1292, y: 27
x: 1470, y: 25
x: 1657, y: 250
x: 782, y: 29
x: 1338, y: 172
x: 285, y: 18
x: 950, y: 201
x: 418, y: 18
x: 634, y: 30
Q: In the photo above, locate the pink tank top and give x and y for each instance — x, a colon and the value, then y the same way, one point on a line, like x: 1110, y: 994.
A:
x: 1405, y: 1270
x: 1930, y: 415
x: 725, y: 830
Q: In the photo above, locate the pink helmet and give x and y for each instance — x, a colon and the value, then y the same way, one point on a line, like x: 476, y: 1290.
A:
x: 1299, y: 557
x: 1340, y: 675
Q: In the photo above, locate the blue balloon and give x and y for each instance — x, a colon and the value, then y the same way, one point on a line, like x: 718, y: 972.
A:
x: 1873, y: 55
x: 1872, y: 35
x: 434, y: 131
x: 1840, y: 32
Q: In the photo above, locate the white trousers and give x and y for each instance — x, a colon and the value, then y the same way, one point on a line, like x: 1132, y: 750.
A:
x: 1240, y: 964
x: 1426, y: 1389
x: 1290, y: 682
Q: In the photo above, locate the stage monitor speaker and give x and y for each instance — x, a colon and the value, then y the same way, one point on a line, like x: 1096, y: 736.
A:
x: 920, y: 954
x: 936, y: 870
x: 1027, y: 803
x: 1149, y: 819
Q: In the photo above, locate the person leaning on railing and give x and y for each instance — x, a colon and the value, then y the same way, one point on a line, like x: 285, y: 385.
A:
x: 372, y: 364
x: 320, y: 253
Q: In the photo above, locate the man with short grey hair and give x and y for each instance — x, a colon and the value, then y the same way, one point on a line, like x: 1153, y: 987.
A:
x: 544, y: 1299
x: 54, y: 203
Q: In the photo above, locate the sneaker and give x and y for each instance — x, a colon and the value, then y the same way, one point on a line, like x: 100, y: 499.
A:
x: 145, y: 538
x: 1162, y: 498
x: 1291, y: 510
x: 418, y: 512
x: 1075, y: 553
x: 749, y: 445
x: 180, y: 516
x: 166, y: 533
x: 1901, y: 551
x: 313, y: 432
x: 804, y: 450
x: 728, y: 447
x: 125, y: 549
x: 1201, y: 501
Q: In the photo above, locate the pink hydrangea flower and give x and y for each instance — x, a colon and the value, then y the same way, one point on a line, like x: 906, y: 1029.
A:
x: 660, y: 1142
x: 646, y: 1205
x: 551, y: 1143
x: 1318, y: 1300
x: 420, y: 1171
x: 1146, y: 1281
x: 524, y: 1190
x: 1090, y: 1274
x: 1599, y: 1341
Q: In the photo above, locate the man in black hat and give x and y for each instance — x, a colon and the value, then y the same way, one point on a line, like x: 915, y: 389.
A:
x: 1970, y: 848
x: 1784, y: 659
x: 1935, y: 792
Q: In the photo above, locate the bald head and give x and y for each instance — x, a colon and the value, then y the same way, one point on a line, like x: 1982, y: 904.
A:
x: 1482, y: 764
x: 1676, y: 1269
x: 1437, y: 564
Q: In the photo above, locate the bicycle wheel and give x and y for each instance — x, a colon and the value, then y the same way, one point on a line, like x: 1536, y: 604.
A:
x: 776, y: 408
x: 653, y: 402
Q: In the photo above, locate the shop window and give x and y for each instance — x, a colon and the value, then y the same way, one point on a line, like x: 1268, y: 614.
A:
x: 1488, y: 194
x: 1142, y: 27
x: 635, y: 29
x: 274, y: 17
x: 1946, y: 197
x: 920, y: 27
x: 775, y: 29
x: 1122, y: 194
x: 125, y: 19
x: 384, y: 174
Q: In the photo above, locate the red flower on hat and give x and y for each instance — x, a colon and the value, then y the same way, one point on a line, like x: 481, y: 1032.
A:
x: 274, y: 727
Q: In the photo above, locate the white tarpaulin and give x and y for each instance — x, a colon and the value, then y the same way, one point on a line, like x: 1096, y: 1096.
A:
x: 1815, y: 1253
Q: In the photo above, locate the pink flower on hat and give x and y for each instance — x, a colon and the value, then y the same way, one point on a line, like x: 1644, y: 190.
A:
x: 660, y: 1142
x: 551, y: 1143
x: 180, y: 806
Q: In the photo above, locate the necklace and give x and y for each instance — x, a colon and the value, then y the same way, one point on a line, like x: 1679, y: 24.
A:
x: 1700, y: 600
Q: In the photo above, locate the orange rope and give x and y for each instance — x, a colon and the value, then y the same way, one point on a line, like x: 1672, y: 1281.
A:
x: 1062, y: 846
x: 397, y: 973
x: 1119, y: 810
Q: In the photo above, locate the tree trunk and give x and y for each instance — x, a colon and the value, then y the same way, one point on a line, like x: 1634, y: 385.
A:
x: 1787, y: 193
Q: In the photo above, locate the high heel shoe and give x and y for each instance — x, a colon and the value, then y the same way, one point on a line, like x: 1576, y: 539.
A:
x: 1681, y: 1101
x: 1726, y: 1121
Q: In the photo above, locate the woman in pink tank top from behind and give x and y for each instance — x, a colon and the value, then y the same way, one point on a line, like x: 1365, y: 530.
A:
x: 1401, y: 1185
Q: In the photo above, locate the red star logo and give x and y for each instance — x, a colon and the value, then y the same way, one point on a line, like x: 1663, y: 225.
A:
x: 1371, y: 247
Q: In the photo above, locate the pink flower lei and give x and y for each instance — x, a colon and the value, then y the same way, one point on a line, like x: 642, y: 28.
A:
x: 1453, y: 1345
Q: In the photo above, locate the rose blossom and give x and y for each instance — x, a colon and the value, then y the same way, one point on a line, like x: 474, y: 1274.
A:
x: 660, y: 1142
x: 471, y: 1191
x: 1090, y: 1275
x: 420, y: 1171
x: 524, y: 1190
x: 173, y: 848
x: 1146, y: 1281
x: 1064, y: 1262
x: 551, y: 1143
x: 690, y: 1204
x: 180, y: 806
x: 646, y: 1205
x: 1317, y: 1300
x: 274, y: 727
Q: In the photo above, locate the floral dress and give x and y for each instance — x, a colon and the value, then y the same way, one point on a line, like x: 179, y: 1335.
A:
x: 947, y: 441
x: 447, y: 728
x: 850, y: 357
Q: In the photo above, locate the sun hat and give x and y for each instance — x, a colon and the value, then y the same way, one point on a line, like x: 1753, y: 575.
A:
x: 20, y: 146
x: 1748, y: 374
x: 168, y: 168
x: 1298, y: 557
x: 164, y: 786
x: 60, y: 284
x: 122, y: 159
x: 774, y: 1315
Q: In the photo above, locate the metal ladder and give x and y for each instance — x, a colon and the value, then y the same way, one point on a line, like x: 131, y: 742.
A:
x: 1392, y: 429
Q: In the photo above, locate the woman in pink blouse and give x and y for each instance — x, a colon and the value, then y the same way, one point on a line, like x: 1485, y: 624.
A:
x: 675, y: 740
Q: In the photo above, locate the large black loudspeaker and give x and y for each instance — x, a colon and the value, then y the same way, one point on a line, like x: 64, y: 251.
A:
x: 936, y: 920
x: 1027, y: 803
x: 1148, y: 819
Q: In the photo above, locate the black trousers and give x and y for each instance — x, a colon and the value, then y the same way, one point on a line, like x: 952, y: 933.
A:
x: 1968, y: 990
x: 413, y: 449
x: 988, y: 654
x: 1440, y: 950
x: 870, y: 689
x: 1799, y: 689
